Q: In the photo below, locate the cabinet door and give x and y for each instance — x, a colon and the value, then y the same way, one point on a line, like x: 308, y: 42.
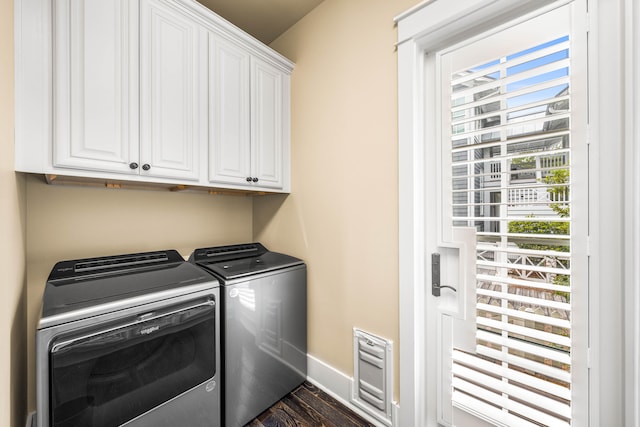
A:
x: 95, y: 84
x: 229, y: 115
x: 170, y: 83
x: 267, y: 126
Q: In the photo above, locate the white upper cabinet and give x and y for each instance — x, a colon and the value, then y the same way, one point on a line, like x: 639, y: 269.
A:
x: 95, y: 64
x: 249, y: 98
x: 170, y: 88
x: 161, y: 91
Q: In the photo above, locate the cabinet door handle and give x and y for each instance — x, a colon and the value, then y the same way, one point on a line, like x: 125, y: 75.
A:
x: 248, y: 179
x: 255, y: 179
x: 146, y: 166
x: 133, y: 165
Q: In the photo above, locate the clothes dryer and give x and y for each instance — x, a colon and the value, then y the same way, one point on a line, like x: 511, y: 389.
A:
x: 264, y: 326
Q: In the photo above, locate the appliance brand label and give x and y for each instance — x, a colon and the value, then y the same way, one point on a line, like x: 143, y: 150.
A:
x: 149, y: 330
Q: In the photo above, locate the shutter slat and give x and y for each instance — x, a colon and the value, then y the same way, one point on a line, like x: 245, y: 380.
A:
x: 552, y: 405
x: 510, y: 250
x: 475, y: 144
x: 549, y: 84
x: 514, y: 156
x: 511, y: 204
x: 523, y: 237
x: 559, y: 47
x: 512, y: 359
x: 509, y: 373
x: 512, y: 405
x: 511, y: 218
x: 464, y: 118
x: 524, y: 283
x: 526, y: 315
x: 554, y: 48
x: 462, y: 134
x: 525, y: 300
x: 499, y: 188
x: 533, y: 72
x: 538, y: 350
x: 525, y: 331
x: 483, y: 410
x: 525, y: 267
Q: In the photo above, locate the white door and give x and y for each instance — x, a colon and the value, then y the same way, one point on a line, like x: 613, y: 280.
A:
x: 171, y: 75
x: 267, y: 125
x: 508, y: 278
x: 229, y: 115
x: 95, y: 57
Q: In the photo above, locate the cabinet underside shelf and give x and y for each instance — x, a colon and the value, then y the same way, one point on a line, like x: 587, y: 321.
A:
x: 132, y: 185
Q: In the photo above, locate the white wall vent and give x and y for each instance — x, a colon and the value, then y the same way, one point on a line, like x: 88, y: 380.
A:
x: 372, y: 385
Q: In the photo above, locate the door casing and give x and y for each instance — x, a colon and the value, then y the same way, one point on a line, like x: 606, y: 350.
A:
x: 429, y: 26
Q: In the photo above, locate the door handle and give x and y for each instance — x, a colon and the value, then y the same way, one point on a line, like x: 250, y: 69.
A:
x: 435, y: 276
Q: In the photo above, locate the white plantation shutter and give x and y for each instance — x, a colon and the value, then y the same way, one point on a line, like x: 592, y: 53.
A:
x: 510, y: 145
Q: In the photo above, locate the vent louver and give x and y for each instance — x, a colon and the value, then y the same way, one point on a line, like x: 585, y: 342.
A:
x: 120, y: 262
x: 373, y: 377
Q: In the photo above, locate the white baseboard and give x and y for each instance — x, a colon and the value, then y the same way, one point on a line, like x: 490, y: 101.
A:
x: 338, y: 385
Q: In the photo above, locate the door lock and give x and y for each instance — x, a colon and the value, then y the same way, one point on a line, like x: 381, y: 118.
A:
x: 435, y: 276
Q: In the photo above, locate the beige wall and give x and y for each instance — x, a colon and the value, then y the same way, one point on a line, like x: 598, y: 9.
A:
x: 65, y: 222
x: 12, y: 244
x: 342, y: 215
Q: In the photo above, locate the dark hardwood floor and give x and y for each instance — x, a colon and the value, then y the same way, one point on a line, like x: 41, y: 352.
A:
x: 308, y: 406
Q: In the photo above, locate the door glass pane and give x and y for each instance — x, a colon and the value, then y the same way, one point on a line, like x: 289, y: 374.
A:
x: 511, y: 181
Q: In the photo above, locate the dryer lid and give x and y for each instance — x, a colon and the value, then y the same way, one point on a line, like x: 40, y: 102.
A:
x: 235, y: 261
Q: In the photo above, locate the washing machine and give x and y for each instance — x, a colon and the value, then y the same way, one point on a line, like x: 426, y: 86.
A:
x: 129, y: 340
x: 264, y: 326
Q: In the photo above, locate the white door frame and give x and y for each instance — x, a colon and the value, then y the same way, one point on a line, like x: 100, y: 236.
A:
x: 632, y: 213
x: 615, y: 224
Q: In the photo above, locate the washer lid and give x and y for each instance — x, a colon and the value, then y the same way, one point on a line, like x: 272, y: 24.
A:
x: 235, y: 261
x: 78, y: 284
